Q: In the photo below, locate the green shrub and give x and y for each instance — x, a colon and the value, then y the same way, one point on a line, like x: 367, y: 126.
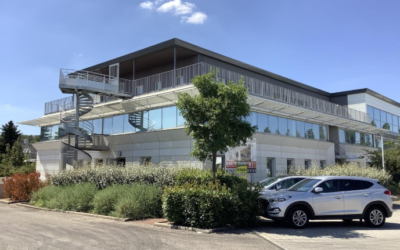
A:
x: 77, y: 198
x: 205, y: 205
x: 104, y: 201
x: 139, y: 201
x: 351, y: 169
x: 106, y: 176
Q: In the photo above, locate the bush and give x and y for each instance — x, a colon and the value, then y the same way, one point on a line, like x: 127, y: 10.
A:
x: 106, y: 176
x: 77, y: 198
x: 205, y: 205
x: 246, y: 195
x: 20, y: 186
x: 351, y: 169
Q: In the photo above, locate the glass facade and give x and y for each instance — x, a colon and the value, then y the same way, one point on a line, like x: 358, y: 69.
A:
x: 169, y: 117
x: 355, y: 138
x: 49, y: 133
x: 382, y: 119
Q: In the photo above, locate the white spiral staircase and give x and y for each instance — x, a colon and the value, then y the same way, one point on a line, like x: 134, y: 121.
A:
x: 76, y: 135
x: 140, y: 122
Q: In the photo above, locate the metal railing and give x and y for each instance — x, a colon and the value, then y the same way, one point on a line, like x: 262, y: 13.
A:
x: 183, y: 76
x: 54, y: 106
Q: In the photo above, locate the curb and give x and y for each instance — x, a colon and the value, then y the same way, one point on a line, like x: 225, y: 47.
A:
x: 193, y: 229
x: 76, y: 213
x: 7, y: 201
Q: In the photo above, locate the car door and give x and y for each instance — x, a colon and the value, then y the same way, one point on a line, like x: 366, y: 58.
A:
x: 356, y: 195
x: 329, y: 202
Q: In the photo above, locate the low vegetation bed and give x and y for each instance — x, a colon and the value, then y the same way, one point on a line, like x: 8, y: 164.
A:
x: 351, y: 169
x: 19, y: 187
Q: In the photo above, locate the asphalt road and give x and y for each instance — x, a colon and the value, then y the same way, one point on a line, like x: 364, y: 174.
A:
x: 23, y: 228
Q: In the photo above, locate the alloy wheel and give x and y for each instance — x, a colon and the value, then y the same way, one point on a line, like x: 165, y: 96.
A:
x: 299, y: 218
x: 376, y: 217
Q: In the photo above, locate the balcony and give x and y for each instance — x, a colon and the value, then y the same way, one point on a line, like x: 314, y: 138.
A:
x: 183, y: 76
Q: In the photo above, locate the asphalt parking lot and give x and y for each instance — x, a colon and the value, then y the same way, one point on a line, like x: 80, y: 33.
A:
x: 335, y: 234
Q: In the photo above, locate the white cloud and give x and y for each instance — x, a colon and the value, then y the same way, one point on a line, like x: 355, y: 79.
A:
x: 78, y: 54
x: 177, y: 8
x: 195, y: 18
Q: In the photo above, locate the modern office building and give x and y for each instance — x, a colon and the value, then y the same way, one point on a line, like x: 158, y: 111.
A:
x: 123, y: 111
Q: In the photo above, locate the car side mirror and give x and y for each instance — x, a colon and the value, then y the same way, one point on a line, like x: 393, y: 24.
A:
x: 278, y: 186
x: 318, y: 190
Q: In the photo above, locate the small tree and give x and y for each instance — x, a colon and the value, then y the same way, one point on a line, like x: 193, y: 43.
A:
x: 14, y: 157
x: 9, y: 135
x: 215, y: 117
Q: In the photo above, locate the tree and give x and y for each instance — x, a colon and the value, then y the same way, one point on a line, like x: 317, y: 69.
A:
x: 215, y: 117
x: 14, y: 157
x: 9, y: 135
x: 392, y: 158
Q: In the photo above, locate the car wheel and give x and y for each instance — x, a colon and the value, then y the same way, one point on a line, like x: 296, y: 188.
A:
x: 347, y: 220
x: 298, y: 217
x: 375, y: 217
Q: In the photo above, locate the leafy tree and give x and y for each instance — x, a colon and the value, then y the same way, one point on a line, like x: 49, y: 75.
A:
x: 215, y: 117
x: 14, y: 156
x: 9, y: 135
x: 392, y: 158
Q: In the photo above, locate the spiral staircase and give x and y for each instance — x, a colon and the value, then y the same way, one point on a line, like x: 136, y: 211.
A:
x: 140, y: 122
x: 76, y: 136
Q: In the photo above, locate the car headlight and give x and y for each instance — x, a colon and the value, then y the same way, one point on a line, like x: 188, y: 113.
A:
x: 279, y: 199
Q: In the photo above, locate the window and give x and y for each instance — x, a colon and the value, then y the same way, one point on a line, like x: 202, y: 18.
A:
x: 155, y: 119
x: 283, y: 129
x: 180, y: 80
x: 146, y: 160
x: 285, y: 184
x: 139, y: 90
x: 329, y: 186
x: 98, y: 126
x: 353, y: 185
x: 316, y: 131
x: 322, y: 133
x: 252, y: 119
x: 357, y: 138
x: 309, y: 133
x: 271, y: 169
x: 383, y: 116
x: 128, y: 128
x: 273, y: 124
x: 181, y: 120
x: 299, y: 129
x: 307, y: 164
x: 291, y: 128
x: 118, y: 124
x: 157, y: 85
x: 322, y: 164
x: 290, y: 165
x: 55, y: 132
x: 107, y: 126
x: 262, y: 120
x: 342, y: 138
x: 169, y: 117
x: 370, y: 111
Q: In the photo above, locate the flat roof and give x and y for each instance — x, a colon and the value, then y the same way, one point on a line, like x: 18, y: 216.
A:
x: 369, y: 92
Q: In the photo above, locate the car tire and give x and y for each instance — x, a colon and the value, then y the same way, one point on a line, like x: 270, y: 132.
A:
x: 298, y: 217
x: 375, y: 217
x: 347, y: 220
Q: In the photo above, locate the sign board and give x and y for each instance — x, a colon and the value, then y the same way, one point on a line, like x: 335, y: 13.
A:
x: 242, y: 160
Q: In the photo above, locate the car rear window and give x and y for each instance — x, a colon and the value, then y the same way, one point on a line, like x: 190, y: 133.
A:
x: 353, y: 185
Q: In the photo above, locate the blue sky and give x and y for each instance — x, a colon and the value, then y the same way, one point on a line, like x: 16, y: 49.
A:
x: 332, y: 45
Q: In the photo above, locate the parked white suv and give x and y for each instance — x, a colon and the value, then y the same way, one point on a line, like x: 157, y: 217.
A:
x: 333, y: 197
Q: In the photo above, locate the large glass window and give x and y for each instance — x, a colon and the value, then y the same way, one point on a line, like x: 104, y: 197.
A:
x: 55, y: 132
x: 377, y: 114
x: 322, y: 133
x: 383, y: 116
x: 358, y: 138
x: 309, y: 133
x: 155, y: 119
x: 299, y: 129
x: 252, y: 119
x: 98, y: 126
x: 118, y: 124
x: 273, y: 124
x: 283, y: 129
x: 350, y: 137
x: 169, y: 117
x: 370, y: 111
x: 355, y: 138
x: 128, y: 128
x: 342, y: 137
x: 181, y: 120
x: 107, y: 129
x: 262, y: 120
x: 291, y: 128
x: 316, y: 131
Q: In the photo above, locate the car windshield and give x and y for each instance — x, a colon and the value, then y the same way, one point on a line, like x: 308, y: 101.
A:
x: 304, y: 185
x: 270, y: 180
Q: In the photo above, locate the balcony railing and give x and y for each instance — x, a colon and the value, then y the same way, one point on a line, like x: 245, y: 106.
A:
x: 183, y: 76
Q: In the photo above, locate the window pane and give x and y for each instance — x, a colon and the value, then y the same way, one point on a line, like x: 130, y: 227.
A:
x: 342, y: 137
x: 377, y: 114
x: 396, y: 129
x: 54, y: 132
x: 350, y: 137
x: 118, y: 124
x: 389, y: 119
x: 357, y: 138
x: 98, y: 126
x: 252, y: 119
x: 282, y: 126
x: 309, y: 130
x: 155, y: 119
x: 316, y: 131
x: 385, y: 125
x: 169, y: 117
x: 383, y: 116
x: 107, y: 126
x: 322, y: 133
x: 370, y: 111
x: 395, y: 120
x: 291, y: 127
x: 330, y: 186
x: 369, y: 141
x: 273, y: 124
x: 299, y: 129
x: 45, y: 133
x: 128, y: 128
x: 140, y: 120
x: 181, y: 120
x: 262, y: 120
